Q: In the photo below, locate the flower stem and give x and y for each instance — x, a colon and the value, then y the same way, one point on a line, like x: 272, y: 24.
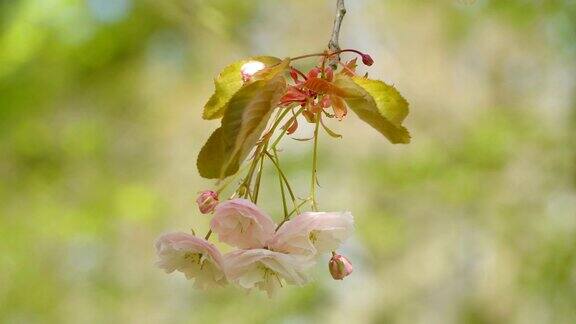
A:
x: 248, y: 180
x: 279, y: 169
x: 299, y: 205
x: 258, y: 178
x: 307, y: 56
x: 279, y: 119
x: 291, y: 213
x: 230, y: 179
x: 314, y: 165
x: 327, y: 55
x: 249, y: 195
x: 284, y: 207
x: 258, y: 154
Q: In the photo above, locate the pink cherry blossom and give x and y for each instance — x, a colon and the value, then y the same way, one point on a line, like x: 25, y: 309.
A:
x: 240, y: 223
x: 266, y: 270
x: 312, y: 233
x: 193, y: 256
x: 340, y: 267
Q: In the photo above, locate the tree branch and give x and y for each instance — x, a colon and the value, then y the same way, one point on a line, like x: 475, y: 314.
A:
x: 333, y: 45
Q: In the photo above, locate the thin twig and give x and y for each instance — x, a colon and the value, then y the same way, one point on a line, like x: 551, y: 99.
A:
x: 333, y: 45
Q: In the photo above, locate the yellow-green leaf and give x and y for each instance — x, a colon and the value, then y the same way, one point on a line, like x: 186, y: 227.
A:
x: 245, y: 118
x: 378, y: 104
x: 227, y: 83
x: 389, y: 101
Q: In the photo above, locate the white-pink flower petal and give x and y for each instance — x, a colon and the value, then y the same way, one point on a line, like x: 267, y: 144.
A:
x: 312, y: 233
x: 240, y: 223
x: 266, y: 270
x: 193, y: 256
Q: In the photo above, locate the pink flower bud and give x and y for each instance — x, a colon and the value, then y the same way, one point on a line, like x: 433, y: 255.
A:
x: 340, y: 267
x: 207, y: 201
x: 367, y: 59
x: 250, y: 68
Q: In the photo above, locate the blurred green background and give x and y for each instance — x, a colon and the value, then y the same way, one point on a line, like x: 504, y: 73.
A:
x: 100, y: 124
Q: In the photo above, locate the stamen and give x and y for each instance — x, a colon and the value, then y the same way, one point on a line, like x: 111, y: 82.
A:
x: 346, y: 68
x: 279, y: 281
x: 193, y: 257
x: 313, y: 236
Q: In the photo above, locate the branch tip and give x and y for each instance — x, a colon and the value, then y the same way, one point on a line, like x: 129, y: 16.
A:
x: 333, y: 45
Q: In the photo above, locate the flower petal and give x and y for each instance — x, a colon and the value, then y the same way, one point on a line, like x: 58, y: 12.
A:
x: 265, y: 270
x: 193, y: 256
x: 313, y: 233
x: 240, y: 223
x: 339, y: 107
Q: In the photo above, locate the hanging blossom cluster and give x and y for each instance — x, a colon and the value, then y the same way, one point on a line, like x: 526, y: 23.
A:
x: 265, y: 258
x: 269, y: 255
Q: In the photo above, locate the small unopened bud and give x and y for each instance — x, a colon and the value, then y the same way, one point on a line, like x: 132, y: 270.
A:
x: 250, y: 68
x: 367, y: 59
x: 207, y: 201
x: 329, y: 74
x: 339, y: 266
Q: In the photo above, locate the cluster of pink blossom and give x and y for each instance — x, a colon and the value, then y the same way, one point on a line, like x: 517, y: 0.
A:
x: 267, y: 256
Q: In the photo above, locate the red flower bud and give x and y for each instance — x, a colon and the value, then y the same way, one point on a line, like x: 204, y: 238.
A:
x: 207, y: 201
x: 339, y: 266
x: 367, y: 59
x: 313, y: 73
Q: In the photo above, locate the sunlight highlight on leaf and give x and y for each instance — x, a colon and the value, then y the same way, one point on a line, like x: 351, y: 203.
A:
x: 227, y: 83
x: 245, y: 118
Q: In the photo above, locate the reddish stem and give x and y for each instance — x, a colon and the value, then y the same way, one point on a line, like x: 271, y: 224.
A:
x: 300, y: 73
x: 326, y: 55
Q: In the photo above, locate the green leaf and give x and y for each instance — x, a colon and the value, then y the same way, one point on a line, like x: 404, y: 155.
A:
x: 247, y: 114
x: 378, y: 104
x: 227, y: 83
x: 212, y: 156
